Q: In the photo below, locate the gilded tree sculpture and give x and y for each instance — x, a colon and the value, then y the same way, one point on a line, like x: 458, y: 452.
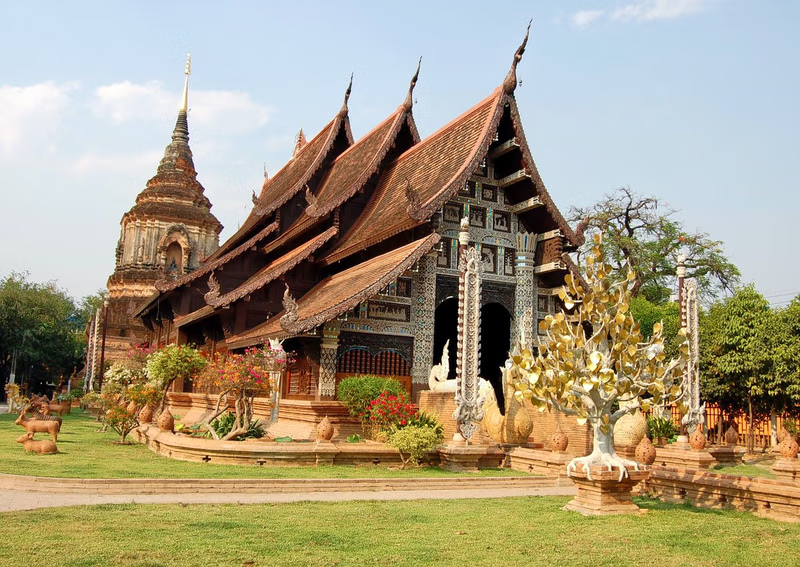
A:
x: 594, y: 363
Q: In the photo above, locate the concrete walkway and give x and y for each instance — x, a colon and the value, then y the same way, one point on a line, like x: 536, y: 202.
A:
x: 13, y: 500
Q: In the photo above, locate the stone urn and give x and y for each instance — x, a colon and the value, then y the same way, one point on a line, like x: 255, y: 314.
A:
x: 325, y: 430
x: 646, y: 451
x: 132, y: 408
x: 165, y: 421
x: 732, y: 434
x: 630, y: 429
x: 146, y: 415
x: 697, y: 440
x: 560, y: 441
x: 782, y: 433
x: 789, y: 448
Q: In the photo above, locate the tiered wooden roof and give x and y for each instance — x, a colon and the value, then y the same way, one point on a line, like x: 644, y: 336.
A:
x: 337, y: 294
x: 403, y: 183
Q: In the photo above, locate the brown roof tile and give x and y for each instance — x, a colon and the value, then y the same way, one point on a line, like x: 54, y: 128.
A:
x: 275, y: 269
x: 435, y: 168
x: 348, y: 173
x: 292, y: 178
x: 339, y: 293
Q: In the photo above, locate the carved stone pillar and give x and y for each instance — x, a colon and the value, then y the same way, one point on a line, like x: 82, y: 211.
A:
x: 468, y: 411
x: 327, y: 359
x: 423, y: 310
x: 525, y: 297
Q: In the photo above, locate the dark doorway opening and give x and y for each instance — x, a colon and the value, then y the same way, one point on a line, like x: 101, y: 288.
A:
x: 495, y: 343
x: 445, y: 326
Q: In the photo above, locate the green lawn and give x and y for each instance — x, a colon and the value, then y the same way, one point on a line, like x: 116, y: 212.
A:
x: 752, y: 471
x: 85, y: 452
x: 525, y: 531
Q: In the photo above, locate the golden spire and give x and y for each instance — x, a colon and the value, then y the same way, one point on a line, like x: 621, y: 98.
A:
x: 510, y: 82
x: 185, y: 100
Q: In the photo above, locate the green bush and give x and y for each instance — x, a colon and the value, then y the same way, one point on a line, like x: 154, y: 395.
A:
x: 414, y: 442
x: 224, y: 423
x: 661, y: 428
x: 356, y: 392
x: 422, y: 419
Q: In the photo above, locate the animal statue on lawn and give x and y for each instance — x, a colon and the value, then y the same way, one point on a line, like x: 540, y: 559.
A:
x: 43, y: 405
x: 43, y: 447
x: 437, y: 379
x: 39, y: 426
x: 37, y: 413
x: 16, y: 401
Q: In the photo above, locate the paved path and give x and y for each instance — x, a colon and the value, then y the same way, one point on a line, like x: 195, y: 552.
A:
x: 12, y: 500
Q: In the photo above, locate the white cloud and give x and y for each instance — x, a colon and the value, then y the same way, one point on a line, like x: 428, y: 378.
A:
x: 647, y: 10
x: 32, y: 114
x: 222, y: 112
x: 92, y: 162
x: 585, y: 17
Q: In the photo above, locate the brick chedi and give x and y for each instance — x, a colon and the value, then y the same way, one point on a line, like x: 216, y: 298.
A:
x: 168, y: 233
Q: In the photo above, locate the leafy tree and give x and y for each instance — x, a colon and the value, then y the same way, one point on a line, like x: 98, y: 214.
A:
x: 642, y: 234
x: 41, y: 328
x: 736, y: 356
x: 172, y: 362
x: 782, y: 337
x: 595, y: 364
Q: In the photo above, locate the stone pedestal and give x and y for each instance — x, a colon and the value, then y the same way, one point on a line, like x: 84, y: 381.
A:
x: 462, y: 457
x: 787, y: 469
x: 325, y: 452
x: 684, y: 458
x: 727, y: 454
x: 537, y: 461
x: 605, y: 494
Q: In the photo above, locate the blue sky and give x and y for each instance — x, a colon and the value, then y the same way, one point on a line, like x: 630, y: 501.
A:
x: 694, y: 101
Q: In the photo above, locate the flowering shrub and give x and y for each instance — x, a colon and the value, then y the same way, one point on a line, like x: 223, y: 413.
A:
x: 244, y: 376
x: 121, y: 420
x: 117, y: 378
x: 356, y: 392
x: 144, y: 394
x: 388, y: 411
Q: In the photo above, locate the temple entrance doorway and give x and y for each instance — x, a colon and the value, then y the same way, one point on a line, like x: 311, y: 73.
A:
x: 445, y: 325
x: 495, y: 344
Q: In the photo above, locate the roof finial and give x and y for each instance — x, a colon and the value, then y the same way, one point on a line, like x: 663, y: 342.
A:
x: 266, y: 175
x: 510, y: 82
x: 187, y: 72
x: 408, y: 104
x: 300, y: 142
x: 344, y: 110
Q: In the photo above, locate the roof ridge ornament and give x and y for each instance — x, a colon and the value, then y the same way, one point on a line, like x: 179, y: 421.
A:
x: 344, y: 110
x: 289, y: 319
x: 408, y: 104
x: 299, y: 143
x: 414, y: 202
x: 510, y: 82
x: 312, y: 204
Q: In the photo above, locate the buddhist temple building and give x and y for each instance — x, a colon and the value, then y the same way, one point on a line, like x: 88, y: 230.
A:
x: 164, y: 236
x: 349, y: 254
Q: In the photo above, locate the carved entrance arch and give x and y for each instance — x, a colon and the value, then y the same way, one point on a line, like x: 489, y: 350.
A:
x: 445, y: 324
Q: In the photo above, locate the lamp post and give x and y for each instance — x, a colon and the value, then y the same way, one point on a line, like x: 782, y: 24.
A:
x: 103, y: 345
